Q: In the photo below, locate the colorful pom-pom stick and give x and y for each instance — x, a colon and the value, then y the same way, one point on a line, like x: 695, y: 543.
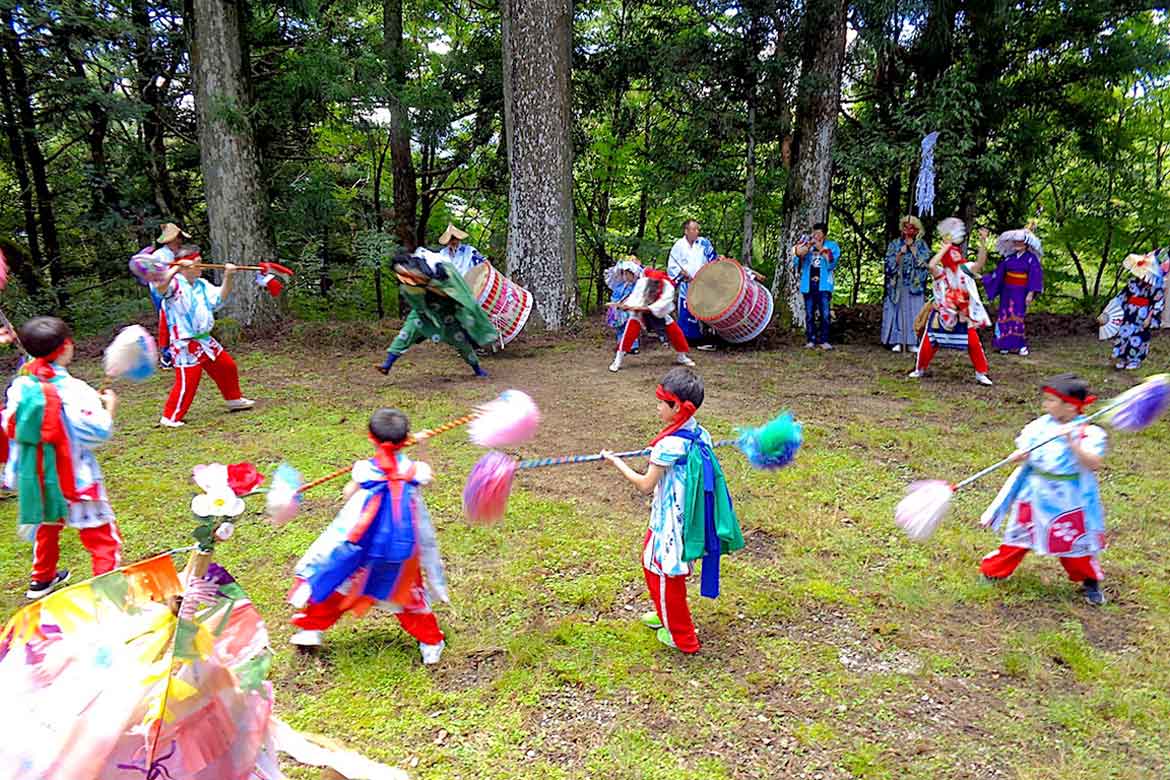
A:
x: 485, y: 496
x: 132, y: 355
x: 926, y: 503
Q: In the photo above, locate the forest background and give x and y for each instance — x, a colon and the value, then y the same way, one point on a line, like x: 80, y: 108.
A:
x: 371, y: 125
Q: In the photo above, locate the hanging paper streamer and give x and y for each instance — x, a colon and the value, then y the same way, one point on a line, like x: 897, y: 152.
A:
x: 924, y: 191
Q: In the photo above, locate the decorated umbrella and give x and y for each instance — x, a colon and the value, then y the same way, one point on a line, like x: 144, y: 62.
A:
x: 485, y: 496
x: 927, y: 501
x: 150, y: 674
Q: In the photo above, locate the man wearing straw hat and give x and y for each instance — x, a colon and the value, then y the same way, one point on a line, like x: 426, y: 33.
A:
x: 463, y: 256
x: 188, y: 303
x: 169, y: 244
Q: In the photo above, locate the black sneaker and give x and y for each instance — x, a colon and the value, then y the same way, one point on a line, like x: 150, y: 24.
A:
x: 38, y: 589
x: 1091, y: 589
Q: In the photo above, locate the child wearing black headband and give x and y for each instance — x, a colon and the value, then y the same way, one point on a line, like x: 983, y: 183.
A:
x: 1051, y: 504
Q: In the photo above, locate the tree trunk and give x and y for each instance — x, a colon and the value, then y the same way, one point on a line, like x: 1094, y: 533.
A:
x: 36, y: 160
x: 541, y: 249
x: 806, y: 195
x: 401, y: 157
x: 237, y: 208
x: 749, y: 188
x: 149, y: 67
x: 26, y: 267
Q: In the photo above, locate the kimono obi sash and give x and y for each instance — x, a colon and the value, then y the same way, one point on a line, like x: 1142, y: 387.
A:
x: 1015, y: 279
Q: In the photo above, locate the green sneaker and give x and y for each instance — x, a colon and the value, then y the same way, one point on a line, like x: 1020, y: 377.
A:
x: 651, y: 621
x: 665, y: 638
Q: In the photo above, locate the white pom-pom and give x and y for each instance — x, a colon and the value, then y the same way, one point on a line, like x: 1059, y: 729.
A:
x: 923, y: 508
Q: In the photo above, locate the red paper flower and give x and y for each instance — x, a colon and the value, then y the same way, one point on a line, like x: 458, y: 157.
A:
x: 243, y: 477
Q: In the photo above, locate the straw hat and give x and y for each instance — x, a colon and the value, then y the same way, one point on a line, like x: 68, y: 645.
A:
x: 450, y: 233
x: 170, y: 232
x: 913, y: 220
x: 1144, y: 267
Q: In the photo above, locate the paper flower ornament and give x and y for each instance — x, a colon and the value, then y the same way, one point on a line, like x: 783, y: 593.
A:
x: 218, y: 498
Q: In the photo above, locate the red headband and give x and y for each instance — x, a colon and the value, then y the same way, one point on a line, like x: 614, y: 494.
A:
x: 686, y: 410
x: 1079, y: 403
x: 385, y: 457
x: 41, y: 367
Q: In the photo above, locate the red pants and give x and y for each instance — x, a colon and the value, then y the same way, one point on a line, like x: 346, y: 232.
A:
x: 669, y: 595
x: 927, y: 350
x: 103, y: 542
x: 634, y: 327
x: 223, y: 370
x: 1004, y: 561
x: 317, y: 617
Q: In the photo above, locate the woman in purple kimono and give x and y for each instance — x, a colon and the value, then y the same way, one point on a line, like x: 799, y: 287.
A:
x: 1016, y: 281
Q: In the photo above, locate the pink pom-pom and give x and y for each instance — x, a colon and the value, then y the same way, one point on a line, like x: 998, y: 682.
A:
x: 485, y: 497
x: 510, y: 419
x: 923, y: 508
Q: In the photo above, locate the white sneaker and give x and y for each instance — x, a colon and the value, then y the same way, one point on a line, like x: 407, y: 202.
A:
x: 707, y: 347
x: 896, y: 348
x: 914, y: 350
x: 240, y: 404
x: 431, y: 653
x: 306, y: 639
x: 616, y: 365
x: 809, y: 345
x: 1023, y: 352
x: 167, y: 422
x: 683, y: 360
x: 983, y: 379
x: 916, y: 374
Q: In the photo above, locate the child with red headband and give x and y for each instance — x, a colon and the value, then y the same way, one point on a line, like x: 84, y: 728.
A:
x: 54, y: 422
x: 691, y: 515
x: 377, y: 549
x: 1051, y: 503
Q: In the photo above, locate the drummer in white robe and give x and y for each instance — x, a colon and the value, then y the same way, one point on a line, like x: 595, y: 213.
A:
x: 463, y: 256
x: 687, y: 256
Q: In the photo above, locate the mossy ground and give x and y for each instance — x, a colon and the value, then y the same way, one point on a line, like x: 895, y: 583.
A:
x: 838, y: 649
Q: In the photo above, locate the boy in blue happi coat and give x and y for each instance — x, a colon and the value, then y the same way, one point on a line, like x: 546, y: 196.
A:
x: 691, y: 516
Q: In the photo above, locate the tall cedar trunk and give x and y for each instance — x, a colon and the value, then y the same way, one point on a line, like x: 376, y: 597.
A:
x: 149, y: 69
x: 401, y: 160
x: 749, y: 187
x: 25, y: 267
x: 236, y: 200
x: 806, y: 196
x: 541, y: 249
x: 46, y: 217
x: 379, y: 222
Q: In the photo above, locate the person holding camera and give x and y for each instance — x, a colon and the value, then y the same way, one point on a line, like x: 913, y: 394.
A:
x: 816, y: 257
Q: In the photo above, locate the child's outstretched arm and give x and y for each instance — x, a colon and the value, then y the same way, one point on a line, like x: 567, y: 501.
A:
x: 645, y: 483
x: 350, y: 488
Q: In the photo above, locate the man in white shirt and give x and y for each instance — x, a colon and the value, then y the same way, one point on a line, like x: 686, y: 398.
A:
x: 687, y: 256
x: 463, y: 256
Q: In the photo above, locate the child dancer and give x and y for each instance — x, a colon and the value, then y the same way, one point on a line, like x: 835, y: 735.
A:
x: 691, y: 515
x: 650, y: 304
x: 621, y: 280
x: 54, y: 422
x: 377, y: 549
x: 189, y: 303
x: 1051, y: 502
x: 957, y: 311
x: 1142, y: 303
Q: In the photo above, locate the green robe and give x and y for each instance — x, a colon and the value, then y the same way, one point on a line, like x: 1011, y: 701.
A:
x: 453, y: 316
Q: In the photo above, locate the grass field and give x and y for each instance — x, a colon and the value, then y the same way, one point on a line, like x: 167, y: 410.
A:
x: 838, y: 650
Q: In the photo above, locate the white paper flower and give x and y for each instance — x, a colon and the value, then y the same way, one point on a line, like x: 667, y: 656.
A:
x: 218, y: 500
x: 219, y: 503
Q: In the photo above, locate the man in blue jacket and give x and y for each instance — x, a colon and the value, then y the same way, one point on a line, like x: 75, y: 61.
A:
x: 817, y: 258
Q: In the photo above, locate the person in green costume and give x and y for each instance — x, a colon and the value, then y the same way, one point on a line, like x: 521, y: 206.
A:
x: 442, y: 308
